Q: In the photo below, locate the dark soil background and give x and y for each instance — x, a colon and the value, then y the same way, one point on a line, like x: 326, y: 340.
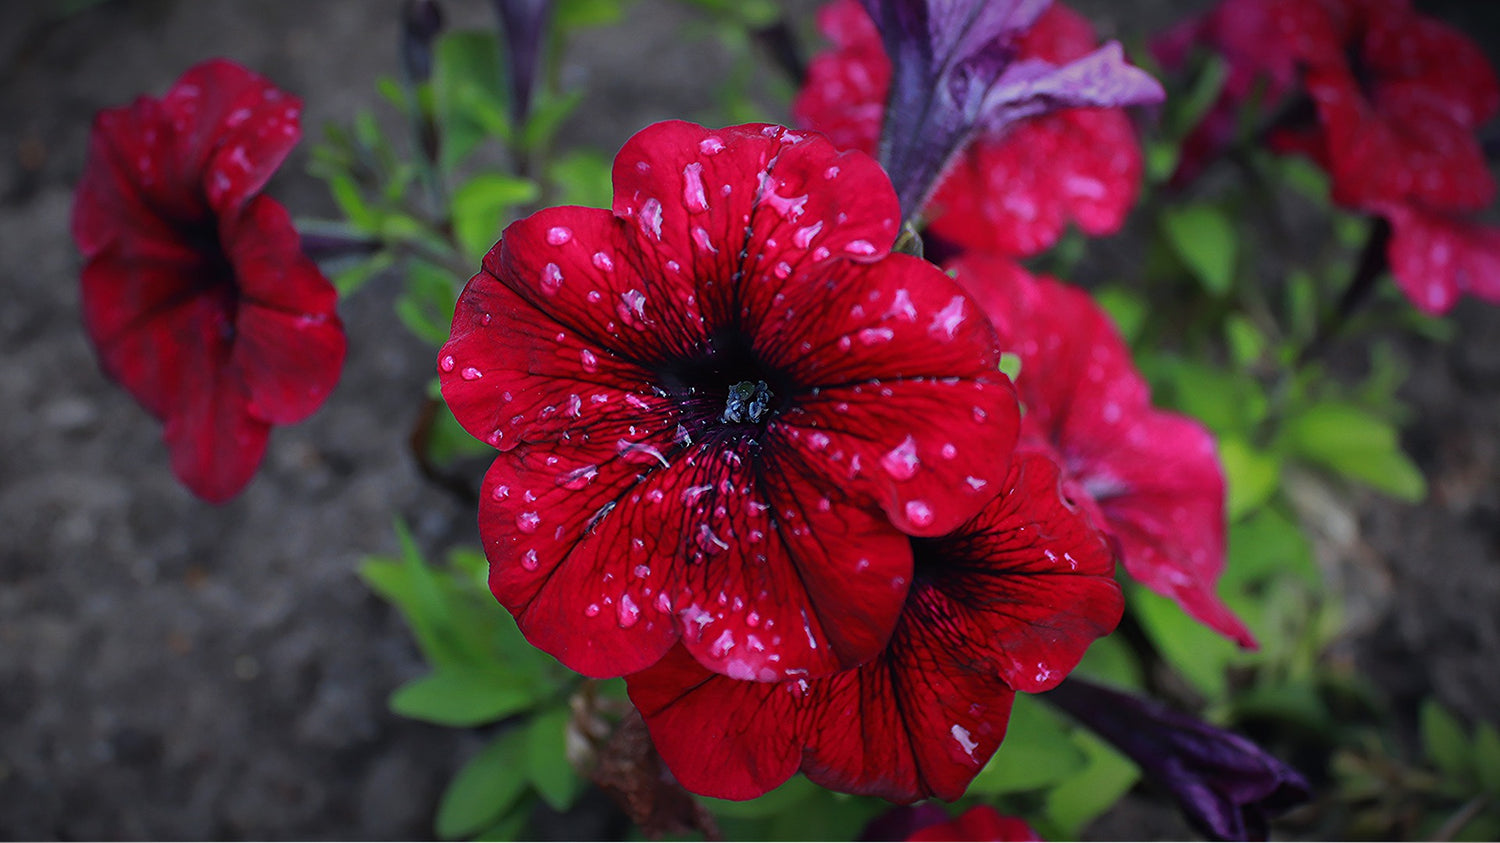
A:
x: 174, y: 670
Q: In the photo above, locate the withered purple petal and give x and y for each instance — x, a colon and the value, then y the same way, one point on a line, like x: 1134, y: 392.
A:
x: 1227, y: 787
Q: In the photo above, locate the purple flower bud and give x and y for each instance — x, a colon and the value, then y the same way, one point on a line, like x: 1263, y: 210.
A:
x: 955, y: 72
x: 421, y: 21
x: 1227, y: 787
x: 525, y: 25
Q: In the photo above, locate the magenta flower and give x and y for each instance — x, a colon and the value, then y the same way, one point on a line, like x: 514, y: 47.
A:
x: 927, y: 821
x: 956, y: 70
x: 721, y: 408
x: 1151, y: 478
x: 196, y: 294
x: 1007, y: 602
x: 1012, y: 191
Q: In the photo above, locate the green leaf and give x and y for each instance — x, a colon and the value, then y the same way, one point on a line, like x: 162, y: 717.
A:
x: 1349, y: 441
x: 468, y: 94
x: 1487, y: 757
x: 569, y: 15
x: 510, y: 826
x: 1037, y: 752
x: 1204, y: 239
x: 1253, y: 475
x: 1126, y: 308
x: 582, y: 178
x: 1111, y: 661
x: 547, y: 116
x: 1081, y: 798
x: 1445, y: 744
x: 462, y: 697
x: 796, y: 790
x: 1246, y: 341
x: 352, y: 202
x: 425, y: 307
x: 485, y: 788
x: 547, y: 760
x: 1268, y: 545
x: 1010, y: 365
x: 1199, y: 653
x: 1189, y: 109
x: 356, y: 276
x: 479, y: 210
x: 1224, y: 401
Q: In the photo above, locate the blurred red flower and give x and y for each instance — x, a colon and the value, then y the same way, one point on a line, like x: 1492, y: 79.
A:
x: 1012, y: 192
x: 980, y: 822
x: 1150, y: 477
x: 721, y: 408
x: 196, y: 294
x: 1008, y: 602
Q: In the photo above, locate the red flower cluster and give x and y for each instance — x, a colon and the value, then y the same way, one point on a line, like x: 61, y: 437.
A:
x: 1398, y: 97
x: 1012, y: 193
x: 1151, y: 478
x: 763, y: 466
x: 196, y: 294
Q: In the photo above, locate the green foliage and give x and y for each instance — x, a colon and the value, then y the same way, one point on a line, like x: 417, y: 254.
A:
x: 480, y: 207
x: 485, y: 789
x: 1037, y: 752
x: 1203, y: 238
x: 1357, y: 445
x: 469, y: 96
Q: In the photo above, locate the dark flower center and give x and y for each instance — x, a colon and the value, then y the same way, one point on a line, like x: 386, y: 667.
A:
x: 747, y: 402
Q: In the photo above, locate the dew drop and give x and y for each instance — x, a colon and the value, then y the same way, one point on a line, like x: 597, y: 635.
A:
x: 901, y: 461
x: 627, y: 612
x: 578, y: 477
x: 632, y: 308
x: 528, y: 522
x: 446, y: 364
x: 711, y: 145
x: 919, y: 513
x: 500, y: 493
x: 693, y: 195
x: 860, y: 247
x: 783, y: 270
x: 551, y: 279
x: 529, y: 560
x: 949, y: 451
x: 471, y: 374
x: 590, y: 362
x: 803, y: 237
x: 559, y: 234
x: 592, y: 610
x: 603, y: 262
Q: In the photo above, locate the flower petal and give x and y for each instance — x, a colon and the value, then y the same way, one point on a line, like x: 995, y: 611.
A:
x: 289, y: 344
x: 1437, y: 257
x: 1154, y: 476
x: 1019, y: 592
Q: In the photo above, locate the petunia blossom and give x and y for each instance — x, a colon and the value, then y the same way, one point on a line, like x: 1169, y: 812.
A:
x: 1152, y: 478
x: 196, y: 294
x: 927, y: 821
x: 1011, y: 191
x: 1227, y: 787
x: 721, y: 408
x: 956, y: 69
x: 1007, y: 602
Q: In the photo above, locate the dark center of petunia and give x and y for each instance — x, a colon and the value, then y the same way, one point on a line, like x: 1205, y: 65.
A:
x: 747, y: 402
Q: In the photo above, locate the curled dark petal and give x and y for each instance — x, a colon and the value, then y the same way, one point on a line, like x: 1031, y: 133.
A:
x: 421, y: 21
x: 1227, y: 787
x: 525, y: 25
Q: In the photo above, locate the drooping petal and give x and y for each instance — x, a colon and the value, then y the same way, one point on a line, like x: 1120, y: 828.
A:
x: 1014, y: 596
x: 1226, y: 786
x: 1154, y: 475
x: 1438, y: 257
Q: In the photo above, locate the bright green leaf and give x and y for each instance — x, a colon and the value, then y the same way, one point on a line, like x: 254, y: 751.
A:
x: 796, y: 790
x: 578, y: 14
x: 1204, y: 238
x: 547, y: 759
x: 1356, y: 444
x: 1037, y: 752
x: 1106, y: 777
x: 582, y: 178
x: 456, y: 697
x: 479, y: 209
x: 1196, y: 651
x: 1253, y: 475
x: 485, y: 788
x: 1246, y: 341
x: 468, y: 94
x: 1126, y: 308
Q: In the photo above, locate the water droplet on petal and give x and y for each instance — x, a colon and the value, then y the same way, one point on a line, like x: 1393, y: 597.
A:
x: 592, y: 610
x: 590, y: 362
x: 693, y: 195
x: 471, y: 374
x: 860, y: 247
x: 529, y: 560
x: 901, y: 462
x: 578, y: 477
x: 559, y: 234
x: 603, y: 262
x: 446, y: 364
x: 528, y: 522
x: 551, y: 279
x: 627, y: 612
x: 710, y: 145
x: 919, y: 513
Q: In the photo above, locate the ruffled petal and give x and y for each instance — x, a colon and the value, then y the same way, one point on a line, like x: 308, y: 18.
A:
x: 1438, y: 257
x: 1020, y: 593
x: 1154, y: 476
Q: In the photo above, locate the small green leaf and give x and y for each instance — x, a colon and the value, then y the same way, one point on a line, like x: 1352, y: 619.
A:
x: 547, y: 116
x: 352, y: 202
x: 1246, y: 341
x: 1445, y: 744
x: 1487, y: 757
x: 1126, y: 308
x: 1199, y: 653
x: 1106, y: 777
x: 1347, y: 440
x: 1037, y: 752
x: 468, y: 94
x: 1253, y: 475
x: 1204, y: 239
x: 457, y: 697
x: 1010, y: 365
x: 479, y: 209
x: 485, y: 788
x: 547, y: 760
x: 582, y: 178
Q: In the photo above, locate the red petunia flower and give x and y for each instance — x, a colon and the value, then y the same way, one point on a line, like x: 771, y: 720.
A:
x: 721, y: 408
x: 1152, y: 478
x: 1437, y: 257
x: 981, y: 822
x: 196, y: 294
x: 1012, y: 192
x: 1008, y: 602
